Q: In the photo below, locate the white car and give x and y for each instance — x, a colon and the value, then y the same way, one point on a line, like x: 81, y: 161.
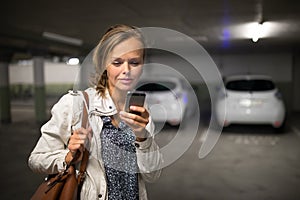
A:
x: 250, y: 99
x: 169, y: 98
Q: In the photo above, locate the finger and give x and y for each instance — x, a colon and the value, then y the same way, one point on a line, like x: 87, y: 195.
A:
x: 81, y: 138
x: 141, y: 110
x: 134, y: 122
x: 76, y: 140
x: 135, y: 125
x: 74, y: 147
x: 82, y: 133
x: 90, y: 132
x: 134, y: 117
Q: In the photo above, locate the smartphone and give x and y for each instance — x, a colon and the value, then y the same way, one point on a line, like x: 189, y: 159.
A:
x: 134, y: 98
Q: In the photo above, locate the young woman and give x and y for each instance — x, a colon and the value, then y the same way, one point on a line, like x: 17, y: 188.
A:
x: 123, y: 153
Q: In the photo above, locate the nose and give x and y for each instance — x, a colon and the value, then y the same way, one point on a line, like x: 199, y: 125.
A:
x: 126, y: 68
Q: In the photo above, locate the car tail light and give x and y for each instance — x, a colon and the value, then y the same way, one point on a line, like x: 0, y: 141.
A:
x: 225, y: 123
x: 277, y: 123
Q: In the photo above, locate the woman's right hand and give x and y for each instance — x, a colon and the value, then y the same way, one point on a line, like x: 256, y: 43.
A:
x: 79, y: 140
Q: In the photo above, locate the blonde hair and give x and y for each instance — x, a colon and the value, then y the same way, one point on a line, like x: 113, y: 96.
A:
x: 113, y: 36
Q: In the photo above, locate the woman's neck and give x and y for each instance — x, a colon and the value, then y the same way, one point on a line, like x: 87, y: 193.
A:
x: 118, y: 98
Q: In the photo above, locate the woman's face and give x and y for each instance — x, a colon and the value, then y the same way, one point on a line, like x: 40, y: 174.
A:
x: 125, y: 64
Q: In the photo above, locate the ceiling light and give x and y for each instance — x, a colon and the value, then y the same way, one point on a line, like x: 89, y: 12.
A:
x: 257, y: 31
x: 73, y: 61
x: 265, y: 30
x: 62, y: 38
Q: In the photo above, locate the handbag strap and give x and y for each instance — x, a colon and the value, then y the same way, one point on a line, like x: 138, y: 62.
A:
x: 85, y: 156
x: 85, y: 111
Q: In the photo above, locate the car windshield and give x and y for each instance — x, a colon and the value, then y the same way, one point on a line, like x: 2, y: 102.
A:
x: 158, y: 86
x: 250, y: 85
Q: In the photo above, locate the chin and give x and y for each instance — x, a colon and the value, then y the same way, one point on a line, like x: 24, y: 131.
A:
x: 126, y: 88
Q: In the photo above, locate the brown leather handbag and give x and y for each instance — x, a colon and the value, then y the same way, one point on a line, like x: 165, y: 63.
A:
x: 65, y: 185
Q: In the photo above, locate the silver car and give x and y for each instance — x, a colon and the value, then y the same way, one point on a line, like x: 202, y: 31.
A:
x: 250, y: 99
x: 169, y: 98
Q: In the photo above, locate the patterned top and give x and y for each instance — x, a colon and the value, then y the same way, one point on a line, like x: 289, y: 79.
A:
x: 120, y: 162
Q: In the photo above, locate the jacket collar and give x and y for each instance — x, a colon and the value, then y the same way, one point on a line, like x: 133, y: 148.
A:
x: 103, y: 106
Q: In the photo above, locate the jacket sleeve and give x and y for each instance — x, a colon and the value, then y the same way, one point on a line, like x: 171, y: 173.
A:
x: 48, y: 156
x: 149, y: 158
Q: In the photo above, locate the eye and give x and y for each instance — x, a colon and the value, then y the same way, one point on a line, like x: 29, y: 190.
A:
x: 134, y: 62
x: 117, y: 62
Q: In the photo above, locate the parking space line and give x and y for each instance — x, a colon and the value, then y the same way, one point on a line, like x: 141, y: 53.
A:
x: 295, y: 130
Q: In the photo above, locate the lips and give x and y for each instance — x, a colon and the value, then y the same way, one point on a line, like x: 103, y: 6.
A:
x: 126, y: 80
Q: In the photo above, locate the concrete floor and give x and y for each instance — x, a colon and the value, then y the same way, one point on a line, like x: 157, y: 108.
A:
x: 252, y: 164
x: 247, y: 163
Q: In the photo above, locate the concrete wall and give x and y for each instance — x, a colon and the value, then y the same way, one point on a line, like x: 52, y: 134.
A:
x: 283, y: 67
x: 59, y: 78
x: 54, y: 73
x: 280, y: 66
x: 296, y: 82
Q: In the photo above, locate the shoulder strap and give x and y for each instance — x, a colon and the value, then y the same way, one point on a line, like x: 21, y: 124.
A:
x: 85, y: 114
x: 85, y: 157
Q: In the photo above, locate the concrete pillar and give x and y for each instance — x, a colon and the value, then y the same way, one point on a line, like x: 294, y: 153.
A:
x: 39, y: 89
x: 296, y: 82
x: 5, y: 107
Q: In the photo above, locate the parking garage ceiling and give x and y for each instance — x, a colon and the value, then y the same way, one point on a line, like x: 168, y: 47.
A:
x: 219, y: 25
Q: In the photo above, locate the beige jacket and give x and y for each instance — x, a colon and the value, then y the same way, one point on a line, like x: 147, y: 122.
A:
x: 49, y: 153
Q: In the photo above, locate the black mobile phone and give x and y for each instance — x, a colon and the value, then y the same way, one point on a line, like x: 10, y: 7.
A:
x: 134, y: 98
